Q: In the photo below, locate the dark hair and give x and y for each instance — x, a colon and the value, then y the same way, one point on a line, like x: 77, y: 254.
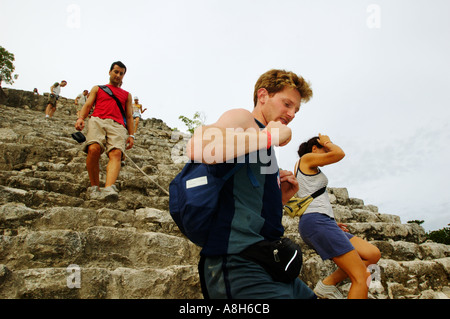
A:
x: 306, y: 147
x: 119, y: 64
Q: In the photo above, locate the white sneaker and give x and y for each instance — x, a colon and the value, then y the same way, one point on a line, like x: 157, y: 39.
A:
x: 93, y: 192
x: 327, y: 291
x: 110, y: 193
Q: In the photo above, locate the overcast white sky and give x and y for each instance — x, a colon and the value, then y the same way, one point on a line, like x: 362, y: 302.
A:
x: 380, y: 72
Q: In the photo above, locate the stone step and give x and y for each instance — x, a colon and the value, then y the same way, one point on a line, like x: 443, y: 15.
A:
x: 371, y: 230
x: 57, y: 182
x: 407, y: 279
x: 38, y: 150
x: 76, y: 185
x: 16, y: 156
x: 151, y: 197
x: 408, y: 251
x: 16, y: 218
x: 37, y: 198
x: 344, y: 214
x: 388, y: 231
x: 80, y: 282
x: 97, y: 246
x: 147, y: 142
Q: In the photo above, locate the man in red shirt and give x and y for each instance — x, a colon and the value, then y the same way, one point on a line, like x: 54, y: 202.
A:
x: 108, y: 131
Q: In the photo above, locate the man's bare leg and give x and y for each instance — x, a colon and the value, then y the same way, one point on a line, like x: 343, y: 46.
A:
x: 114, y: 166
x: 93, y: 164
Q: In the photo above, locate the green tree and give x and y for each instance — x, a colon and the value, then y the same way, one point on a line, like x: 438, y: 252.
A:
x: 6, y: 65
x: 418, y: 222
x: 198, y: 120
x: 440, y: 236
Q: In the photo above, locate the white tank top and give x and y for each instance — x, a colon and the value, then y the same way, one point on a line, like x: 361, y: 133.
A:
x: 57, y: 90
x: 308, y: 184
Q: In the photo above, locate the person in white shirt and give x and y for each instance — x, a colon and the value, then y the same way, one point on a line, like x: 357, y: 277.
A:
x: 80, y: 100
x: 55, y: 90
x: 319, y: 229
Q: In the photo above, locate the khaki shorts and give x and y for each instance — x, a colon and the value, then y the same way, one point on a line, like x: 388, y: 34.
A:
x: 52, y: 100
x: 107, y: 133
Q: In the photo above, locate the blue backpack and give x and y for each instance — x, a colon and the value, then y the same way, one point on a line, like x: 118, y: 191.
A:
x: 194, y: 198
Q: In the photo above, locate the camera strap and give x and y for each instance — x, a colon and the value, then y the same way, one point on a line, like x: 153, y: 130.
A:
x: 108, y: 91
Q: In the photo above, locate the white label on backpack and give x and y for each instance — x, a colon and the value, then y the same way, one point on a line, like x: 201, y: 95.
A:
x: 195, y: 182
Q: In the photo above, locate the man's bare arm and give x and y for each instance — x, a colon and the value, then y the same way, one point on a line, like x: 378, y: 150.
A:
x: 84, y: 112
x: 233, y: 135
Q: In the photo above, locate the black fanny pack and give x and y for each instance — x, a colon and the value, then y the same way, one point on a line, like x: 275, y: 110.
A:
x: 282, y: 259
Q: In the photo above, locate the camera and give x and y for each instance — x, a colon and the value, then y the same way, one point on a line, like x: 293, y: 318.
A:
x: 79, y: 137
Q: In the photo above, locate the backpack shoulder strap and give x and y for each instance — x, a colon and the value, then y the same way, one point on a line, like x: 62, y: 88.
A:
x: 232, y: 171
x: 250, y: 174
x: 296, y: 168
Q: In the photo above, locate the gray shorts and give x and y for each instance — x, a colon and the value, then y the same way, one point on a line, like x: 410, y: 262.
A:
x: 107, y: 133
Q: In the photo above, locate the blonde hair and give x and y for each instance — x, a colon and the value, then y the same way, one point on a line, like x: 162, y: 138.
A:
x: 275, y: 81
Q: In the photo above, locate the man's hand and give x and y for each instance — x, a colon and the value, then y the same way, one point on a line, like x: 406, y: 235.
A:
x: 79, y: 125
x: 343, y: 227
x: 130, y: 142
x: 281, y: 134
x: 289, y: 185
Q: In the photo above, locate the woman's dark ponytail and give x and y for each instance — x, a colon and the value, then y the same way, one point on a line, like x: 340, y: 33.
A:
x: 306, y: 147
x: 302, y: 149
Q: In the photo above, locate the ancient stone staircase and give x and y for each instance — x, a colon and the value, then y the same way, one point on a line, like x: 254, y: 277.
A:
x: 128, y: 248
x: 55, y: 243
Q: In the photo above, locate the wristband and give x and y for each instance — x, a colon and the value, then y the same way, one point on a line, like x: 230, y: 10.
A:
x: 80, y: 118
x: 132, y: 137
x: 269, y: 139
